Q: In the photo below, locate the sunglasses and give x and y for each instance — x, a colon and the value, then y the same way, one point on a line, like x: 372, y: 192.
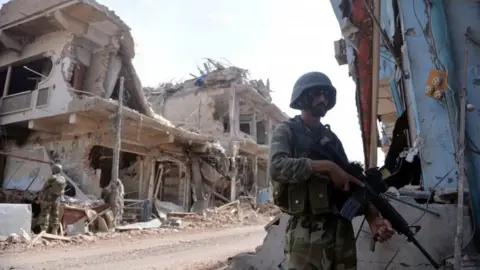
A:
x: 318, y: 92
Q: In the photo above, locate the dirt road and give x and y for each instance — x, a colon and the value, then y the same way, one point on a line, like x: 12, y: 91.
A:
x: 179, y: 251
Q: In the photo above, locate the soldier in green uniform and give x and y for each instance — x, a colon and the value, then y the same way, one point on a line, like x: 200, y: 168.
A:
x: 312, y: 190
x: 52, y: 189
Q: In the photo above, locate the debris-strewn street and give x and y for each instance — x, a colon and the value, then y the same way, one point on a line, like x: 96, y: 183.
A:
x: 175, y: 250
x: 192, y: 241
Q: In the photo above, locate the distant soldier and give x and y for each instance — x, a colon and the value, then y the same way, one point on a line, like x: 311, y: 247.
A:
x: 113, y: 195
x: 52, y: 189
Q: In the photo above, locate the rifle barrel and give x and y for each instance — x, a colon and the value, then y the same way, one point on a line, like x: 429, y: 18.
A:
x: 414, y: 241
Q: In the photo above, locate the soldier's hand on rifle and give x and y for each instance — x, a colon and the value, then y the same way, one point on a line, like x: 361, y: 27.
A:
x: 339, y: 177
x: 381, y: 229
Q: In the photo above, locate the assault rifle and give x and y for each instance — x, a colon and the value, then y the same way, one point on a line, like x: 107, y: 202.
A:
x: 372, y: 192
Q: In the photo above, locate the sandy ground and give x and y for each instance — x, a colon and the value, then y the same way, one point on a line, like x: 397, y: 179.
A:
x: 187, y: 250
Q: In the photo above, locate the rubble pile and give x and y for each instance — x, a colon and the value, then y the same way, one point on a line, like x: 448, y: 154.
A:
x: 26, y: 240
x: 233, y: 213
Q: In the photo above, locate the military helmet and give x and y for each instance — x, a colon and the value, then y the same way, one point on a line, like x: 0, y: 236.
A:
x: 56, y: 168
x: 308, y: 81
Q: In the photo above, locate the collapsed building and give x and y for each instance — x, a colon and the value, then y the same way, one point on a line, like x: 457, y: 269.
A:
x: 60, y: 67
x: 224, y: 103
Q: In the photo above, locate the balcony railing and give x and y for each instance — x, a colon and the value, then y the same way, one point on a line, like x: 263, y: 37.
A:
x: 24, y: 101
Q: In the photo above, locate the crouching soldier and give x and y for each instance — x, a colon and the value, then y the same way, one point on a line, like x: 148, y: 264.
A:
x: 52, y: 189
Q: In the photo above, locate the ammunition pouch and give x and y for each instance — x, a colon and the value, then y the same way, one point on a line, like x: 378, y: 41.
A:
x: 319, y: 194
x: 309, y: 198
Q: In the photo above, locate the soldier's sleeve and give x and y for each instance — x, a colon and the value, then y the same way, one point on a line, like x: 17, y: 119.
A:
x: 284, y: 167
x: 47, y: 183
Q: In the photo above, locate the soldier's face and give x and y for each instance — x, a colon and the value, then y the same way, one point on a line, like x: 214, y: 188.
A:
x: 319, y: 102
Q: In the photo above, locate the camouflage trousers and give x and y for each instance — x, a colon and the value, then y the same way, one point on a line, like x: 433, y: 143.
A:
x: 321, y: 243
x: 49, y: 216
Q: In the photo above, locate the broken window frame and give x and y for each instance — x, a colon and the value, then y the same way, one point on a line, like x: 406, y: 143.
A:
x: 33, y: 103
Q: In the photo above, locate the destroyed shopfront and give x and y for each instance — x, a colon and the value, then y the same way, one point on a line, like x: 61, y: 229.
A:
x: 60, y: 67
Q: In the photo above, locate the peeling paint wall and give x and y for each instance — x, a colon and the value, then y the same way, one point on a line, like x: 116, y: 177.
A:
x: 433, y: 126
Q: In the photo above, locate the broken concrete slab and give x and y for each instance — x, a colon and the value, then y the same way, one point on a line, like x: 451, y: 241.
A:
x: 14, y: 218
x: 163, y: 208
x: 154, y: 223
x: 78, y: 227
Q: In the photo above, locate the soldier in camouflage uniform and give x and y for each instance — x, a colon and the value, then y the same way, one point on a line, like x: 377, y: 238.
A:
x: 52, y: 189
x: 312, y: 190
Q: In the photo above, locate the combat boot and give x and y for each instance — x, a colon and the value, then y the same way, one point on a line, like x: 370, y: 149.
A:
x: 55, y: 229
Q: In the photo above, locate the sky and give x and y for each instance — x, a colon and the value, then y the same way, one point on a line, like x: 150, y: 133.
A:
x: 275, y: 39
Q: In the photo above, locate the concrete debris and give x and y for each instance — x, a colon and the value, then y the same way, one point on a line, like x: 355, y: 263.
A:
x: 154, y: 223
x: 218, y: 75
x: 234, y: 213
x: 15, y: 218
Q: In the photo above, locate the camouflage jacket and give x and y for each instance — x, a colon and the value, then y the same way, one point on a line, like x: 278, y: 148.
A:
x: 53, y: 187
x: 285, y: 167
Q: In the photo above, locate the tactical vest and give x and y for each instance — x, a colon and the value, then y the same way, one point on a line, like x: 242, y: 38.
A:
x: 316, y: 195
x: 58, y: 185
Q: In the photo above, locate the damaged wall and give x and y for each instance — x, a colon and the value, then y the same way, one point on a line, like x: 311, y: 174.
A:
x: 192, y: 110
x: 74, y: 155
x: 89, y: 47
x: 51, y: 45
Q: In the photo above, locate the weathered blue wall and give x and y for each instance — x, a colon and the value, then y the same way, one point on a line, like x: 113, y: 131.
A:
x: 433, y: 126
x: 434, y: 38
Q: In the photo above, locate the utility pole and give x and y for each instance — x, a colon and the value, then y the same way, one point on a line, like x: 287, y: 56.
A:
x: 114, y: 198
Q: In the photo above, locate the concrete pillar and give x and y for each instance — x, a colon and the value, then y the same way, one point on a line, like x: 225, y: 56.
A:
x: 253, y: 125
x: 255, y: 175
x: 234, y: 115
x: 7, y: 81
x: 269, y: 130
